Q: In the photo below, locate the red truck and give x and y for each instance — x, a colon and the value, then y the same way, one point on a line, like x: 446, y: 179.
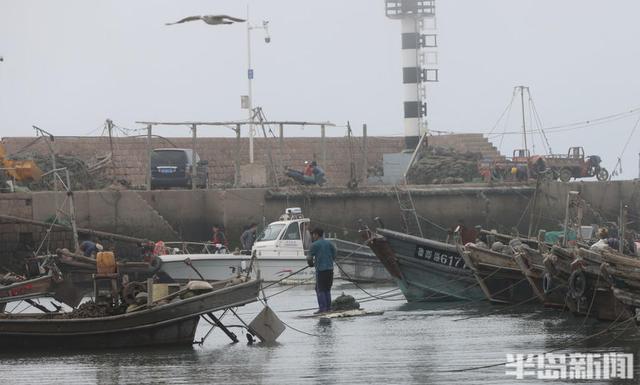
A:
x: 523, y: 166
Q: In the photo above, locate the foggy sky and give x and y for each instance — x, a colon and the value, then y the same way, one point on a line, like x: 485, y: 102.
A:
x: 70, y: 64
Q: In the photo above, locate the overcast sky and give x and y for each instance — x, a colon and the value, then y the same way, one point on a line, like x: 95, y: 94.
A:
x: 70, y: 64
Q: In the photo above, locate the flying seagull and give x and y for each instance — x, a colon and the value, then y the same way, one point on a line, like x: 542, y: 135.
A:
x: 210, y: 19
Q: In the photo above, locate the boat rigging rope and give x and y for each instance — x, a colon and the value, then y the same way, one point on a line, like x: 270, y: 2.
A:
x: 361, y: 300
x: 293, y: 328
x: 506, y: 307
x: 280, y: 280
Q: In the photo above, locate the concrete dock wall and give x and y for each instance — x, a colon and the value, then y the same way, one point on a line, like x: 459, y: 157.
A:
x: 189, y: 215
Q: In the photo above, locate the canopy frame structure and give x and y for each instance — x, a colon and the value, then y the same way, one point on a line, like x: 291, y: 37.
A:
x: 236, y: 126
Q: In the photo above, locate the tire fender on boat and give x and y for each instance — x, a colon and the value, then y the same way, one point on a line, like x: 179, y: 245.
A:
x: 577, y: 283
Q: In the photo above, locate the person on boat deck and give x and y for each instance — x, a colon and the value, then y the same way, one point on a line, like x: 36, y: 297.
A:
x: 90, y: 249
x: 248, y: 237
x: 321, y: 255
x: 467, y: 235
x: 219, y: 238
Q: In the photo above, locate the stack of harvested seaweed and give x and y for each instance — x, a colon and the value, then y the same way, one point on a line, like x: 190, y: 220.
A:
x: 438, y: 165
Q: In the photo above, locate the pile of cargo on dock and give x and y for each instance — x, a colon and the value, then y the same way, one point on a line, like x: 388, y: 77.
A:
x: 439, y: 165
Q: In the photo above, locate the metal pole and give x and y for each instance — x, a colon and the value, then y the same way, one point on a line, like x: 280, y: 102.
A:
x: 281, y: 134
x: 72, y: 213
x: 149, y: 150
x: 194, y: 168
x: 623, y: 221
x: 250, y: 77
x: 365, y: 152
x: 566, y: 217
x: 323, y: 144
x: 110, y: 129
x: 524, y: 127
x: 236, y: 180
x: 533, y: 207
x: 53, y: 163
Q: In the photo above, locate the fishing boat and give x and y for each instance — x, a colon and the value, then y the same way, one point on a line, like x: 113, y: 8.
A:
x: 26, y: 289
x: 589, y: 293
x: 42, y: 278
x: 77, y: 270
x: 279, y: 250
x: 623, y: 274
x: 531, y: 262
x: 162, y: 323
x: 424, y: 269
x: 497, y: 272
x: 358, y: 263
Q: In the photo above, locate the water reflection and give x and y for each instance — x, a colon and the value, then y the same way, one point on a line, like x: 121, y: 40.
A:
x: 410, y: 343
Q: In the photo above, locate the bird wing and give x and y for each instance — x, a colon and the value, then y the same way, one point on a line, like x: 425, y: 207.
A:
x: 190, y: 18
x: 231, y: 18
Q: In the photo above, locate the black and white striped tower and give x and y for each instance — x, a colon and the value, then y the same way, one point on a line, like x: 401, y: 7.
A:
x: 418, y: 57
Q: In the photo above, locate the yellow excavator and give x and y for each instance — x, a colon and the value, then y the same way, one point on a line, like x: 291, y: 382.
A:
x: 19, y: 170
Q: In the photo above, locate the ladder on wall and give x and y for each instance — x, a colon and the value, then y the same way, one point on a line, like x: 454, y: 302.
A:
x: 408, y: 212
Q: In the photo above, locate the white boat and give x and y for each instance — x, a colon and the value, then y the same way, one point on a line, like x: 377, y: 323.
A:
x: 279, y: 249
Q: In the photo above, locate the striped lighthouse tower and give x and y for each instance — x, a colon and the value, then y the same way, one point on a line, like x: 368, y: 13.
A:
x: 418, y: 61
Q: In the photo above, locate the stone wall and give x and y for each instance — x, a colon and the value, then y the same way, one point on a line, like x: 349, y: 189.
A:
x: 189, y: 215
x: 130, y: 153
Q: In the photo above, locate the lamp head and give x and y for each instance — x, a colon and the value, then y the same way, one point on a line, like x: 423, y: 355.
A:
x: 265, y: 26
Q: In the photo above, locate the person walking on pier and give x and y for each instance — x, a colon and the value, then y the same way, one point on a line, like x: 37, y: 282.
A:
x: 321, y: 255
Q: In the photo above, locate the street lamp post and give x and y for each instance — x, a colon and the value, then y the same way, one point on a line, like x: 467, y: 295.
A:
x: 267, y: 39
x: 225, y: 19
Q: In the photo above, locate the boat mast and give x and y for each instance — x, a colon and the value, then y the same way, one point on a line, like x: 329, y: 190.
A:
x: 72, y: 212
x: 524, y: 126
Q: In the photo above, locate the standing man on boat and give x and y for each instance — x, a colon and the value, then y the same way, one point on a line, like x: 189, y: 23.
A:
x: 321, y: 255
x: 248, y: 237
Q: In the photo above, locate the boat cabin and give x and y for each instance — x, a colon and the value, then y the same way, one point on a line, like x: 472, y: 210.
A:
x: 287, y: 238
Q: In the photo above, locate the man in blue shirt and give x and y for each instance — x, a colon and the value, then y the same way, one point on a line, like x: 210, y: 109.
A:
x: 322, y: 254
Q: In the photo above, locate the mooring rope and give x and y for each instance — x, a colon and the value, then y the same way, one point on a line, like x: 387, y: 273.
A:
x: 506, y: 307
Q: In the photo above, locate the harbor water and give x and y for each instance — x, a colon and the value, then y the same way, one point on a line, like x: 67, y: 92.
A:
x: 423, y: 343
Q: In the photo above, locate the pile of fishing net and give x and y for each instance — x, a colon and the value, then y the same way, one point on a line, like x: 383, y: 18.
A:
x: 80, y: 174
x: 344, y: 302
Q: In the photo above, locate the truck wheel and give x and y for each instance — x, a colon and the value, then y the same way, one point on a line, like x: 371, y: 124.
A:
x: 565, y: 175
x: 602, y: 174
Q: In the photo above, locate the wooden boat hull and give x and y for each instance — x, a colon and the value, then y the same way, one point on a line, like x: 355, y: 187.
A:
x: 425, y: 270
x: 588, y: 292
x: 498, y: 274
x: 31, y: 288
x: 170, y: 324
x: 531, y: 263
